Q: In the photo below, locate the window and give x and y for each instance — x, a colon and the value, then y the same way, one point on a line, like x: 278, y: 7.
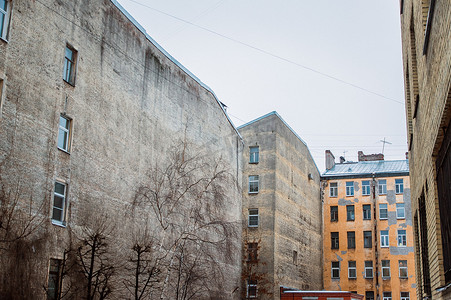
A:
x: 333, y: 190
x: 367, y: 211
x: 403, y: 269
x: 402, y: 238
x: 383, y: 212
x: 253, y: 217
x: 254, y: 155
x: 399, y: 186
x: 252, y: 252
x: 64, y: 133
x: 295, y: 257
x: 350, y: 188
x: 1, y: 97
x: 367, y: 239
x: 366, y: 188
x: 387, y: 296
x: 69, y: 65
x: 369, y: 295
x: 251, y: 289
x: 352, y: 270
x: 385, y: 268
x: 335, y: 244
x: 53, y: 288
x: 253, y: 184
x: 405, y: 296
x: 384, y: 238
x: 334, y: 213
x: 382, y: 187
x: 351, y: 240
x: 335, y: 269
x: 350, y: 213
x: 5, y: 14
x: 400, y: 211
x: 368, y: 269
x: 59, y: 203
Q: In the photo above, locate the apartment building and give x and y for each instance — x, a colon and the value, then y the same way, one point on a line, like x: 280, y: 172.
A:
x: 427, y: 75
x: 93, y: 113
x: 368, y: 241
x: 281, y: 210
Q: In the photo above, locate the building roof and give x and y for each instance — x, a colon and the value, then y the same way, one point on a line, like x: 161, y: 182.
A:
x: 176, y: 62
x: 368, y: 169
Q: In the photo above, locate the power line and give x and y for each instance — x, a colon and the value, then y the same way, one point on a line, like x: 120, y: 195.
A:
x: 269, y: 53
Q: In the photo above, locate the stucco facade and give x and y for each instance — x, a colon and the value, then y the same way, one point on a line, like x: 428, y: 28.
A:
x: 368, y: 240
x: 127, y: 102
x: 288, y: 232
x: 426, y: 51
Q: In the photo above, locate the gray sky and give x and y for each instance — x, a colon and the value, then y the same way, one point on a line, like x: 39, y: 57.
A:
x: 355, y: 41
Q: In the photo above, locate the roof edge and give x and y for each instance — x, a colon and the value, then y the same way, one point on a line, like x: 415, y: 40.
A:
x: 176, y: 62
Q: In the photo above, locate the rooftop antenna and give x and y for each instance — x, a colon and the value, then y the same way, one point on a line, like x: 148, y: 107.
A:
x: 383, y: 144
x: 344, y: 153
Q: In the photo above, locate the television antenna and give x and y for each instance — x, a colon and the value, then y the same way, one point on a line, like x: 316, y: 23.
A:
x: 383, y: 144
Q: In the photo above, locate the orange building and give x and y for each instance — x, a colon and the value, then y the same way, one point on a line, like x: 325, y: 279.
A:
x: 368, y: 239
x: 291, y: 294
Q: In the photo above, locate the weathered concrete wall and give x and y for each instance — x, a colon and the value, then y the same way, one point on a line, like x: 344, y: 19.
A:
x: 129, y: 104
x: 289, y: 202
x: 427, y: 78
x: 375, y: 253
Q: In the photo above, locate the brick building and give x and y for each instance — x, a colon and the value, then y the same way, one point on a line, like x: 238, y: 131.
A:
x: 282, y: 210
x: 426, y: 51
x: 90, y: 108
x: 368, y: 240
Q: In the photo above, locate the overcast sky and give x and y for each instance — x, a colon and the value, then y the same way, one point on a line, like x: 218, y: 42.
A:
x: 331, y: 69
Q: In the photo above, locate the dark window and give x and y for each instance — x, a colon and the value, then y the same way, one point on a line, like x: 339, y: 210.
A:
x: 69, y: 65
x: 53, y: 288
x: 367, y: 211
x: 350, y: 213
x: 386, y: 296
x: 424, y: 247
x: 253, y: 184
x: 253, y: 218
x: 334, y: 213
x: 385, y: 268
x: 334, y: 240
x: 368, y: 269
x: 369, y: 295
x: 443, y: 166
x: 252, y: 289
x: 352, y: 269
x: 252, y: 252
x: 59, y: 203
x: 367, y: 239
x: 335, y: 269
x: 351, y: 240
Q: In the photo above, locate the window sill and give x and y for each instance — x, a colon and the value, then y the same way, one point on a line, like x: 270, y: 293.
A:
x: 65, y: 151
x: 4, y: 40
x: 369, y: 278
x: 386, y: 278
x: 252, y: 193
x: 58, y: 223
x: 252, y: 226
x: 253, y: 163
x: 71, y: 84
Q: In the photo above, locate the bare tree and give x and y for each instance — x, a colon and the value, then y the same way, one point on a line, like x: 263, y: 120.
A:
x: 186, y: 196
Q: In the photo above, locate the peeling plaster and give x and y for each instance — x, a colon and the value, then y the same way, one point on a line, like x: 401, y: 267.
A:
x: 392, y: 220
x: 391, y: 197
x: 356, y: 186
x: 356, y: 200
x: 407, y: 206
x: 338, y: 257
x: 344, y: 202
x: 414, y: 285
x: 343, y: 252
x: 400, y: 250
x: 403, y: 225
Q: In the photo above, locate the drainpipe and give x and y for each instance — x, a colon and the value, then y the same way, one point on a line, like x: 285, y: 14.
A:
x: 376, y: 245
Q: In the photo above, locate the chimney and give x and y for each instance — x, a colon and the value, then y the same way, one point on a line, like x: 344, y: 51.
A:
x: 330, y: 160
x: 342, y: 159
x: 407, y: 155
x: 370, y: 157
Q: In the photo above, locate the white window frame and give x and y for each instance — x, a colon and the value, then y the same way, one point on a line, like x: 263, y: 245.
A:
x: 385, y: 239
x: 368, y: 268
x: 335, y: 269
x: 349, y: 188
x: 400, y: 207
x: 403, y: 267
x: 399, y: 186
x: 254, y: 156
x: 402, y: 238
x: 333, y: 189
x: 383, y: 207
x: 386, y: 296
x: 386, y: 268
x: 63, y: 209
x: 4, y: 26
x: 66, y: 132
x: 70, y: 65
x: 253, y: 216
x: 251, y: 284
x: 406, y: 296
x: 366, y: 188
x: 382, y: 186
x: 350, y: 269
x: 254, y: 180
